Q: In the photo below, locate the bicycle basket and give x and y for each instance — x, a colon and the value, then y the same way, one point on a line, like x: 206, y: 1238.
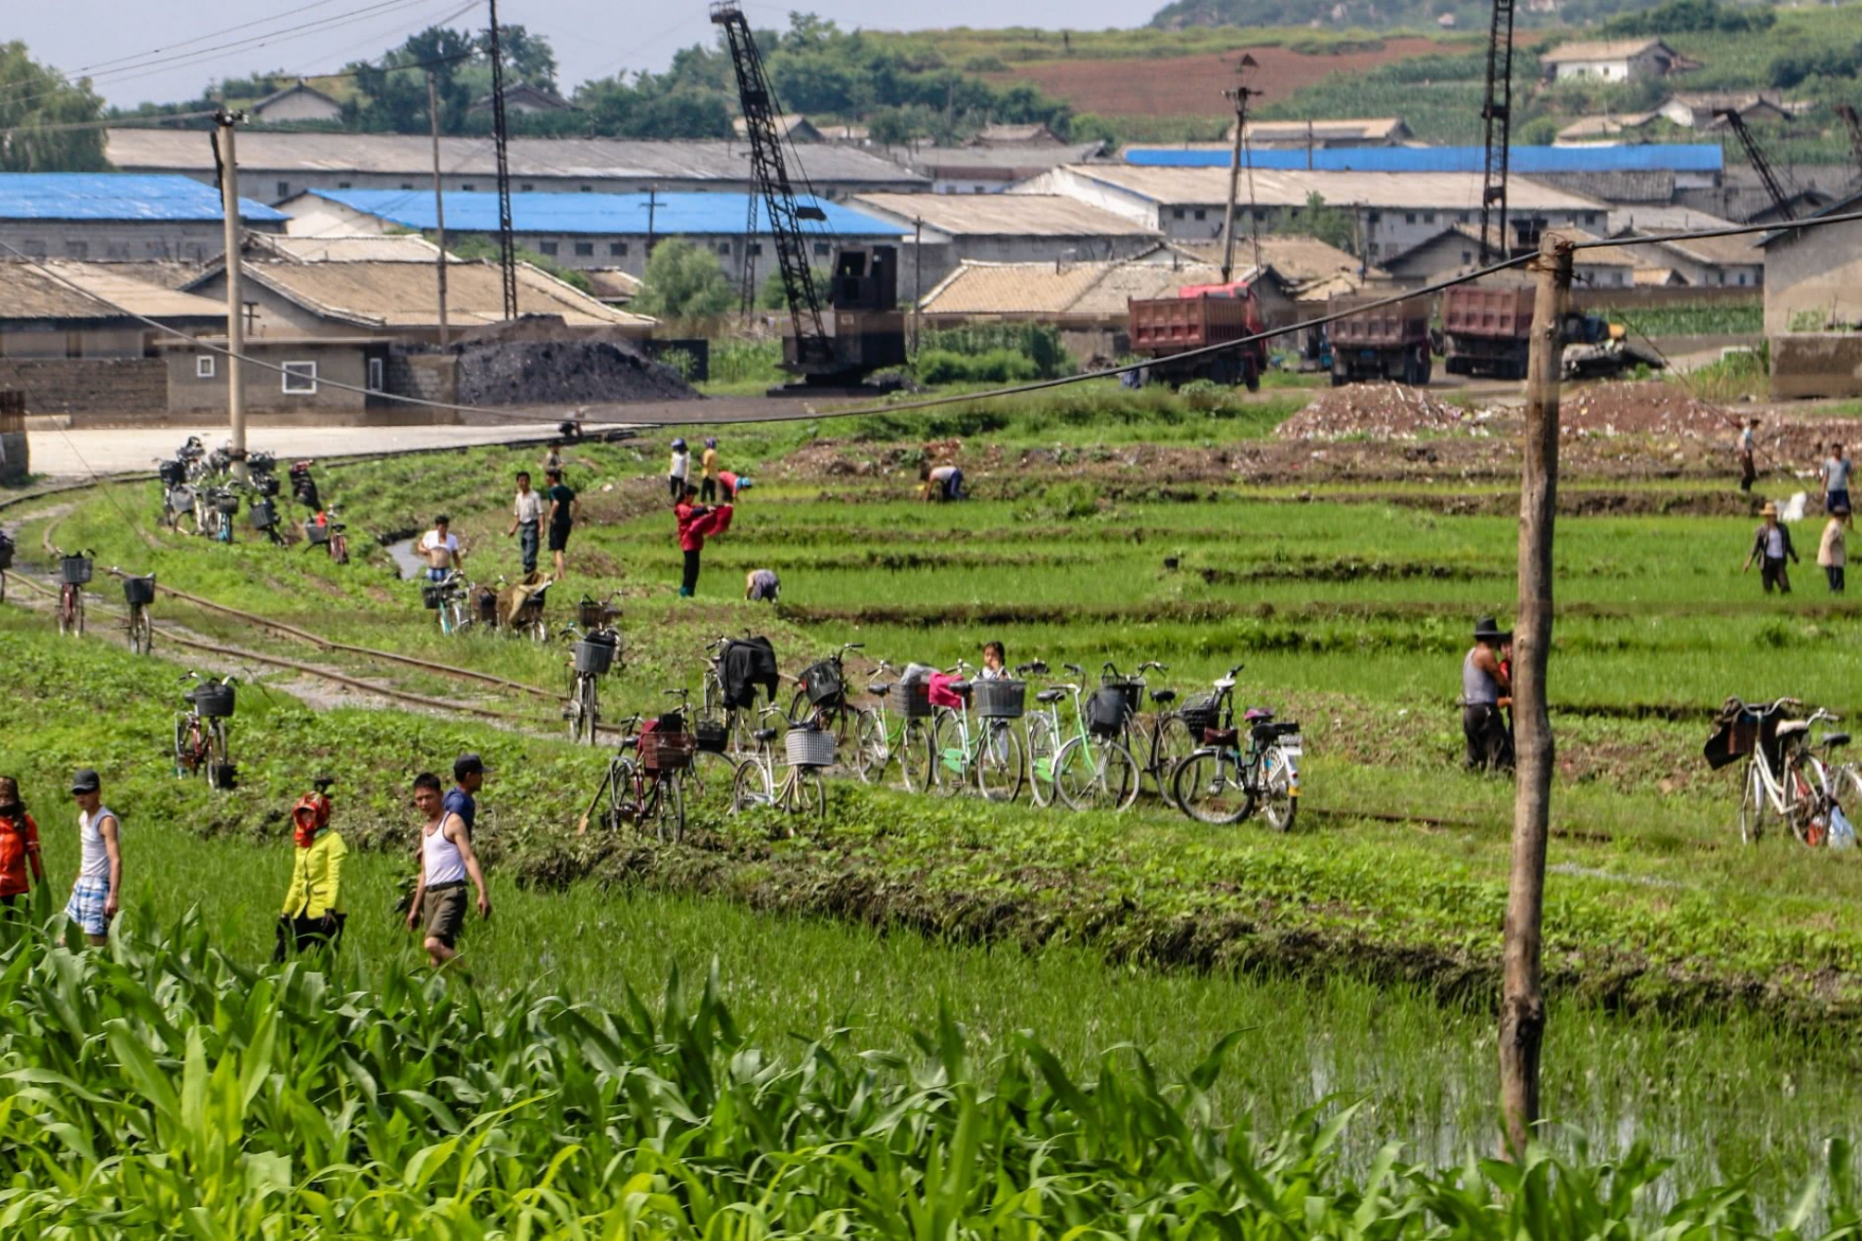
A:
x: 212, y: 700
x: 265, y: 484
x: 661, y: 750
x: 1226, y: 738
x: 1000, y: 699
x: 6, y: 551
x: 261, y: 462
x: 317, y: 534
x: 1201, y: 713
x: 139, y: 592
x: 595, y: 655
x: 671, y: 722
x: 264, y: 516
x: 1734, y: 739
x: 228, y: 504
x: 822, y: 681
x: 431, y: 597
x: 172, y: 473
x: 75, y: 570
x: 1132, y: 691
x: 592, y: 615
x: 1106, y: 712
x: 713, y: 737
x: 912, y: 701
x: 809, y: 747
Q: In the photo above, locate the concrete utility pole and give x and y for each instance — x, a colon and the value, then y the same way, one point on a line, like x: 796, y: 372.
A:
x: 235, y: 312
x: 1522, y: 1000
x: 439, y: 196
x: 1239, y: 96
x: 918, y: 278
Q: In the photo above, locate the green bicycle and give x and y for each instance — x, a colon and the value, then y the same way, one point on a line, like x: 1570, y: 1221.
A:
x: 1092, y: 770
x: 989, y: 754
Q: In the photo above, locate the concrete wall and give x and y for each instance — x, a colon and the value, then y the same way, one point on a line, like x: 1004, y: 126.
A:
x: 194, y: 241
x: 272, y: 314
x: 83, y: 342
x: 1815, y: 273
x: 88, y: 385
x: 189, y: 392
x: 1807, y: 364
x: 429, y: 376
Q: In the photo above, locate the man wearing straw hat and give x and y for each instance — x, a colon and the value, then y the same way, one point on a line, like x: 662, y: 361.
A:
x: 1770, y: 547
x: 1486, y: 690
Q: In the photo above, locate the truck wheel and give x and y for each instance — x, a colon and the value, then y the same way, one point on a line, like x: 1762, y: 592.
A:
x: 1428, y: 369
x: 1254, y: 380
x: 1338, y: 380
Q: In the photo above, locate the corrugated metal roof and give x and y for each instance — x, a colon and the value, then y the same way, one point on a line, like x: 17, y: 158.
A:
x: 1277, y: 188
x: 118, y: 196
x: 43, y: 291
x: 1633, y: 186
x: 307, y: 155
x: 1522, y: 160
x: 617, y: 214
x: 1023, y: 159
x: 1005, y: 215
x: 356, y: 248
x: 124, y: 288
x: 387, y: 295
x: 1296, y: 257
x: 1601, y: 49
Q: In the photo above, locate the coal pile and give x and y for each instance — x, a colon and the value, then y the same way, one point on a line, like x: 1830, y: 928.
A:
x: 1642, y: 408
x: 1375, y: 411
x: 535, y: 360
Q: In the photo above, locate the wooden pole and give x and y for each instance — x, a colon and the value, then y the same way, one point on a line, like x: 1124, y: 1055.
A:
x: 439, y: 196
x: 235, y: 312
x: 1522, y: 1001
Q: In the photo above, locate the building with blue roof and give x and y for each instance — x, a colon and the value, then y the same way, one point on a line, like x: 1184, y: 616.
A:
x: 118, y: 216
x: 608, y: 231
x: 1700, y: 158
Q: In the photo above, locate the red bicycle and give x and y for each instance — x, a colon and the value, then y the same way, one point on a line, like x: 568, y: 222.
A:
x: 74, y: 572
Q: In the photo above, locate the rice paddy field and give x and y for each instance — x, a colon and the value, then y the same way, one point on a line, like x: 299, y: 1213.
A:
x: 942, y: 1017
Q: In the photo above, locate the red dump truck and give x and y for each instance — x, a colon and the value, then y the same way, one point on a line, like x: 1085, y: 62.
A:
x: 1486, y: 329
x: 1385, y: 342
x: 1164, y: 328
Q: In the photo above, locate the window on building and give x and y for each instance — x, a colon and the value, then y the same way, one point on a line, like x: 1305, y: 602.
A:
x: 724, y: 248
x: 378, y: 374
x: 1462, y: 218
x: 1428, y: 217
x: 755, y: 249
x: 284, y: 187
x: 617, y: 248
x: 468, y: 187
x: 547, y: 247
x: 584, y: 248
x: 1373, y: 217
x: 1409, y: 217
x: 821, y: 249
x: 300, y: 378
x: 526, y: 186
x: 343, y: 185
x: 77, y: 249
x: 119, y: 249
x: 204, y: 366
x: 407, y: 185
x: 1467, y: 256
x: 588, y: 189
x: 1176, y: 213
x: 1742, y: 277
x: 1201, y: 214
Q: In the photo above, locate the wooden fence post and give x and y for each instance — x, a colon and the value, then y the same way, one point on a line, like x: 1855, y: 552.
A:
x: 1522, y: 1002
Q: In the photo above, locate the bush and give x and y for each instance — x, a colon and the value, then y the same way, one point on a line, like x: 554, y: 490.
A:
x: 998, y: 366
x: 1038, y: 342
x: 746, y: 361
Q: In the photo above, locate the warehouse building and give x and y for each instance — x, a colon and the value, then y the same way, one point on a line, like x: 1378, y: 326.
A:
x: 101, y: 215
x: 941, y: 231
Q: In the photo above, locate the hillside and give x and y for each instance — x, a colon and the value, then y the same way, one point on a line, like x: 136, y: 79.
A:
x: 1385, y: 14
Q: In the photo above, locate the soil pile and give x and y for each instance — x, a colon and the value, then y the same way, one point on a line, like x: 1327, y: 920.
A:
x: 1375, y: 411
x: 1644, y: 408
x: 536, y: 360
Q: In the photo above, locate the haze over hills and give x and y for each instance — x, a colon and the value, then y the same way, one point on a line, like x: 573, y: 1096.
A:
x: 1387, y: 14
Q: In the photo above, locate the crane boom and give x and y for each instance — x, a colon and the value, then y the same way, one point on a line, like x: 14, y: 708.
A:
x: 1497, y: 113
x: 771, y: 175
x: 1853, y: 121
x: 1760, y: 164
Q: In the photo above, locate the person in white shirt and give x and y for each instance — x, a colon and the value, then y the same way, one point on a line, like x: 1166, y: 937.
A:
x: 441, y: 548
x: 994, y: 669
x: 527, y: 520
x: 98, y: 892
x: 677, y: 471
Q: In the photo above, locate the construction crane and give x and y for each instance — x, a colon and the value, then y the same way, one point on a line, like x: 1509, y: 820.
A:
x: 868, y: 332
x: 1853, y: 121
x: 500, y: 135
x: 1760, y: 164
x: 1497, y: 113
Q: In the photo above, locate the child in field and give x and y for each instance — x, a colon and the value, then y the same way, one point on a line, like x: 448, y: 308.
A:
x: 1832, y: 553
x: 994, y: 669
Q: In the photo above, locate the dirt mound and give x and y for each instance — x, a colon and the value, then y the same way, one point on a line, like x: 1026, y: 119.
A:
x: 1648, y: 407
x: 536, y: 360
x: 1376, y: 411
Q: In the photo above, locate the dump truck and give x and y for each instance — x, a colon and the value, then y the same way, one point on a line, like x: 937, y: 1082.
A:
x: 1487, y: 330
x: 1381, y: 342
x: 1163, y: 328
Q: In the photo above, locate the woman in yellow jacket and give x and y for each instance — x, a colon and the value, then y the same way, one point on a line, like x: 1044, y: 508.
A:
x: 313, y: 904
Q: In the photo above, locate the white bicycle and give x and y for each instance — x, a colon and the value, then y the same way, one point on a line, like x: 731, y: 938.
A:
x: 1786, y: 780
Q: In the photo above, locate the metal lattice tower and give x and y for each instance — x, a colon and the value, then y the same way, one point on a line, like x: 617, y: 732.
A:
x: 1760, y: 164
x: 507, y: 244
x: 1497, y: 113
x: 771, y: 175
x: 1853, y: 121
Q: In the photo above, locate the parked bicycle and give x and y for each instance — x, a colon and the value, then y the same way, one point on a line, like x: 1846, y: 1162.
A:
x: 261, y: 510
x: 1093, y: 770
x: 645, y: 779
x: 200, y: 732
x: 326, y: 530
x: 74, y: 572
x: 139, y: 594
x: 591, y: 658
x: 798, y: 789
x: 1221, y: 783
x: 877, y: 743
x: 449, y: 599
x: 304, y: 486
x: 177, y: 493
x: 739, y: 723
x: 988, y: 753
x: 215, y: 507
x: 6, y: 561
x: 1042, y: 735
x: 528, y: 620
x: 1784, y: 778
x: 1160, y: 742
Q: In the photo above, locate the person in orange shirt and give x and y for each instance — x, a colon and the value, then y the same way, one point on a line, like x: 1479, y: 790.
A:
x: 20, y: 866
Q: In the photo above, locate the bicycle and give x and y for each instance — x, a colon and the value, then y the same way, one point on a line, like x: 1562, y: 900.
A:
x: 807, y: 749
x: 876, y: 743
x: 737, y: 722
x: 1219, y: 784
x: 139, y: 593
x: 1093, y: 770
x: 448, y: 599
x: 1784, y: 778
x: 326, y: 530
x: 591, y: 658
x: 527, y: 618
x: 821, y: 700
x: 992, y: 757
x: 74, y: 571
x: 1161, y: 746
x: 1041, y: 734
x: 177, y: 495
x: 6, y: 561
x: 645, y: 778
x: 260, y: 509
x: 200, y: 732
x: 214, y: 510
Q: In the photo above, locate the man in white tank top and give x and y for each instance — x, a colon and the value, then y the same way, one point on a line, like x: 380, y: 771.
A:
x: 446, y: 862
x: 97, y: 894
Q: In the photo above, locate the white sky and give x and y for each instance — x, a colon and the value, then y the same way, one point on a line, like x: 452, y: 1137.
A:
x: 116, y: 39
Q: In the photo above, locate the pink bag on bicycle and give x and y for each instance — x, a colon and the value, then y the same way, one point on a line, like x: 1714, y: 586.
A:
x: 940, y: 694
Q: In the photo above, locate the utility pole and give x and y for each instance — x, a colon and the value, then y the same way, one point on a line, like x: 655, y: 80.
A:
x: 1522, y: 998
x: 1239, y: 96
x: 235, y: 312
x: 439, y: 196
x: 652, y: 210
x: 507, y: 244
x: 918, y: 277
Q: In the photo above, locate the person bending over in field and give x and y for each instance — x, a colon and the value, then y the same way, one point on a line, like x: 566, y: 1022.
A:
x: 20, y: 866
x: 447, y: 860
x: 312, y: 916
x: 1486, y: 691
x: 945, y: 482
x: 762, y: 584
x: 1771, y: 547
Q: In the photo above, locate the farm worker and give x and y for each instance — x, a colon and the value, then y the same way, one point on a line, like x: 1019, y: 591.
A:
x: 564, y: 509
x: 526, y: 520
x: 732, y: 486
x: 1486, y: 690
x: 994, y: 669
x: 98, y: 892
x: 1835, y: 479
x: 1832, y: 553
x: 20, y: 866
x: 312, y: 915
x: 678, y: 471
x: 762, y: 584
x: 441, y: 548
x: 1770, y: 547
x: 708, y: 490
x: 942, y: 483
x: 695, y: 521
x: 1748, y: 450
x: 446, y: 856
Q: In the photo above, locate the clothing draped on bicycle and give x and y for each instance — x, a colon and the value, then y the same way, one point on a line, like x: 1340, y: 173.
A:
x: 744, y: 665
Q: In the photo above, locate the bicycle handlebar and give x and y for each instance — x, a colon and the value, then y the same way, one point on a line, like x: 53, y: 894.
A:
x: 1111, y: 667
x: 850, y: 646
x: 1035, y: 665
x: 1152, y: 663
x: 1076, y: 670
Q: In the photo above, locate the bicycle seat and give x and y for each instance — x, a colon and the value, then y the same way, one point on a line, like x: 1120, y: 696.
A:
x: 878, y: 688
x: 630, y: 743
x: 960, y: 687
x: 1050, y: 695
x: 1162, y: 696
x: 1788, y: 728
x: 1257, y: 715
x: 1835, y: 739
x: 765, y: 734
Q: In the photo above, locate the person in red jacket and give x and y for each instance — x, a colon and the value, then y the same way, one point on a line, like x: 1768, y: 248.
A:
x: 20, y: 867
x: 695, y: 522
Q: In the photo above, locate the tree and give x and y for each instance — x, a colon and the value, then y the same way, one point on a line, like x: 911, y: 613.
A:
x: 684, y: 282
x: 35, y: 102
x: 775, y: 296
x: 1332, y: 225
x: 392, y: 94
x: 528, y: 58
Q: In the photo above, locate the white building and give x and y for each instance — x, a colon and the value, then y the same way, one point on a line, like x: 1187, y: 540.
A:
x: 1614, y: 60
x: 941, y: 231
x: 300, y: 102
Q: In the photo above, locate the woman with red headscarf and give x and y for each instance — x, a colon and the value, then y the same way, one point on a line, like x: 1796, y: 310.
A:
x: 313, y: 904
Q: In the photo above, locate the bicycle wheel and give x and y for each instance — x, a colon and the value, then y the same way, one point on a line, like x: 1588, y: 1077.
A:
x: 754, y: 786
x: 1042, y: 747
x: 1096, y: 774
x: 869, y: 746
x: 708, y: 786
x: 339, y: 548
x: 999, y: 769
x: 1210, y: 787
x: 64, y: 610
x: 141, y: 631
x: 622, y: 808
x: 1752, y: 803
x: 77, y: 607
x: 917, y: 755
x: 183, y: 759
x: 800, y: 709
x: 1805, y: 801
x: 1280, y: 784
x: 572, y: 709
x: 215, y: 744
x: 1171, y: 744
x: 590, y: 707
x: 2, y: 585
x: 807, y: 794
x: 951, y: 759
x: 668, y: 804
